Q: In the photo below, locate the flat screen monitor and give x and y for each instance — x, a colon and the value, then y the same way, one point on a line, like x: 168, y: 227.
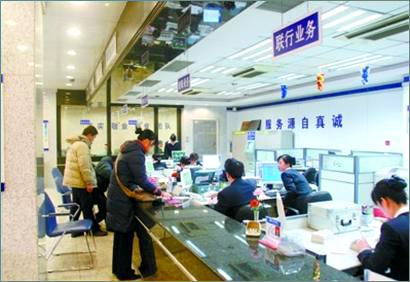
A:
x: 212, y: 15
x: 210, y: 161
x: 186, y: 178
x: 270, y: 173
x: 177, y: 155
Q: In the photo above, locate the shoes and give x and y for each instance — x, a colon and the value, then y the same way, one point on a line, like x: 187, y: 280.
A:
x: 99, y: 233
x: 130, y: 276
x: 144, y: 273
x: 74, y: 235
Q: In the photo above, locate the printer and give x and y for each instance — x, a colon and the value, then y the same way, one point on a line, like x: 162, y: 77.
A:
x: 336, y: 216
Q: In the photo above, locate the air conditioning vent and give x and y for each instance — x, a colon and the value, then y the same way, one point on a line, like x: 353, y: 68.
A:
x: 381, y: 29
x: 177, y: 66
x: 132, y: 93
x: 191, y: 92
x: 254, y: 71
x: 149, y: 83
x: 279, y: 6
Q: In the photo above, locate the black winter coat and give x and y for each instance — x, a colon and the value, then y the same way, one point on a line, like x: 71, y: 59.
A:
x: 103, y: 171
x: 121, y: 209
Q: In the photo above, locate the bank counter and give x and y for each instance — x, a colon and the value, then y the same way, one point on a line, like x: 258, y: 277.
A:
x: 219, y: 242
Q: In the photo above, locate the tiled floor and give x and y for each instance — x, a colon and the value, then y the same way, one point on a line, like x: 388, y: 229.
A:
x: 167, y: 270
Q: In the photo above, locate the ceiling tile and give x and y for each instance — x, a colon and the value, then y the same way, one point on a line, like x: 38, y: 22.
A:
x: 378, y: 6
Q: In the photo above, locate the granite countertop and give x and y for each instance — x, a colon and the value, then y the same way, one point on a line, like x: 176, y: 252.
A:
x: 220, y: 242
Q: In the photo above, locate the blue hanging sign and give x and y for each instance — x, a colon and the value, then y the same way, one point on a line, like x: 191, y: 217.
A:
x: 184, y: 83
x: 304, y: 33
x: 85, y: 121
x: 132, y: 122
x: 251, y: 135
x: 144, y: 101
x: 268, y: 124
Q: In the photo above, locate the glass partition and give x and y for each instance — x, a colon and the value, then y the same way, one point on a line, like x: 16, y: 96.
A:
x: 265, y: 156
x: 167, y: 124
x: 375, y: 163
x: 338, y: 163
x: 124, y: 120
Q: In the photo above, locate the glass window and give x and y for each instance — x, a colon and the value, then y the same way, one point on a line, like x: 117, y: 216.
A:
x: 123, y: 122
x: 75, y: 118
x: 205, y: 137
x: 167, y: 124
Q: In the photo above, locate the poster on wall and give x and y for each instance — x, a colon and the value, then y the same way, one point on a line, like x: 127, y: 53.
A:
x: 3, y: 184
x: 45, y: 136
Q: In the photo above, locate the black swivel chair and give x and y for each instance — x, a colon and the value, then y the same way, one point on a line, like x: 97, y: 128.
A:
x: 302, y: 202
x: 311, y: 175
x: 246, y: 213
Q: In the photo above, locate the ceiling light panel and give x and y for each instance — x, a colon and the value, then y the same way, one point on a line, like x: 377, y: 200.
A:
x: 264, y: 58
x: 206, y: 69
x: 229, y: 70
x: 344, y: 61
x: 359, y: 22
x: 218, y: 69
x: 243, y: 52
x: 70, y: 67
x: 74, y: 32
x: 344, y: 19
x: 356, y: 61
x: 333, y: 12
x: 364, y: 63
x: 270, y: 49
x: 71, y: 53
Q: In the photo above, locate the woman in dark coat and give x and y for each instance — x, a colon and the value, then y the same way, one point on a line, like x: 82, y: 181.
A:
x: 122, y: 210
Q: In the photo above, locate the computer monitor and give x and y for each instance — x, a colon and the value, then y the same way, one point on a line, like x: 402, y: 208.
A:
x: 186, y: 178
x: 210, y: 161
x: 203, y: 177
x: 177, y: 155
x: 149, y: 166
x: 270, y: 173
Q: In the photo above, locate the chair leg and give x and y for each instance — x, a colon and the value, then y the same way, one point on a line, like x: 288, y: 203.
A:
x: 89, y: 251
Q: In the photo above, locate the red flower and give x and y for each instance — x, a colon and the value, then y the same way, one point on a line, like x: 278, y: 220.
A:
x: 254, y: 203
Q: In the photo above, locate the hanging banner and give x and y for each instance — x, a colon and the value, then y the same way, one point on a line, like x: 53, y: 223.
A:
x: 45, y: 135
x: 301, y: 34
x: 184, y: 83
x: 144, y: 101
x: 3, y: 184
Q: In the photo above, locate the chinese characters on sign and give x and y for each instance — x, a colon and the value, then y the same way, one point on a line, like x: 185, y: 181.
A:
x: 268, y: 124
x: 85, y: 122
x: 337, y: 122
x: 303, y: 33
x: 184, y: 83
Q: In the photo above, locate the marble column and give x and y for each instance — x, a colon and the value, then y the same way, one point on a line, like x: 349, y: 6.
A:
x: 18, y: 201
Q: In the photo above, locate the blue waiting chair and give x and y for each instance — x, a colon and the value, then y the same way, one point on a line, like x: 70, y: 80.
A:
x: 54, y: 229
x: 63, y: 190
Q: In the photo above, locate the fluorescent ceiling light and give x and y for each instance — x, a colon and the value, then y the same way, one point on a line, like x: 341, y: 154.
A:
x: 174, y: 84
x: 260, y: 44
x: 253, y: 86
x: 221, y: 93
x: 200, y: 82
x: 71, y: 53
x: 37, y: 75
x: 365, y: 63
x: 356, y: 61
x: 169, y: 90
x: 22, y: 48
x: 107, y: 4
x: 333, y: 12
x: 229, y: 70
x: 264, y: 58
x: 74, y: 32
x: 161, y: 90
x: 259, y: 53
x: 343, y: 61
x: 78, y: 3
x: 39, y: 83
x: 285, y: 76
x: 359, y: 22
x: 31, y: 64
x: 344, y: 19
x: 70, y: 67
x: 11, y: 23
x: 294, y: 77
x: 68, y: 84
x: 207, y: 69
x: 218, y: 69
x: 69, y: 77
x: 195, y: 80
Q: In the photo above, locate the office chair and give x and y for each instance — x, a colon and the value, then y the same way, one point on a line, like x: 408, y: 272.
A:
x: 311, y: 175
x: 246, y: 213
x: 302, y: 202
x: 54, y: 229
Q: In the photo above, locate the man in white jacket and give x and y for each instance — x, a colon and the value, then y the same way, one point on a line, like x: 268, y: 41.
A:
x: 79, y: 174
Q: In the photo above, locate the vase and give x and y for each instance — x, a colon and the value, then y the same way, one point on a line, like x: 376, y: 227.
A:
x: 256, y: 215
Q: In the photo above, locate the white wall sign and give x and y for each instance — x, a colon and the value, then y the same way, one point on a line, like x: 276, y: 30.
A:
x: 98, y: 73
x: 3, y: 184
x: 45, y: 136
x: 111, y: 51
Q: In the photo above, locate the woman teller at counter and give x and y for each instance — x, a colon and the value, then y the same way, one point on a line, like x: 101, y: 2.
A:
x: 391, y: 255
x: 122, y: 209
